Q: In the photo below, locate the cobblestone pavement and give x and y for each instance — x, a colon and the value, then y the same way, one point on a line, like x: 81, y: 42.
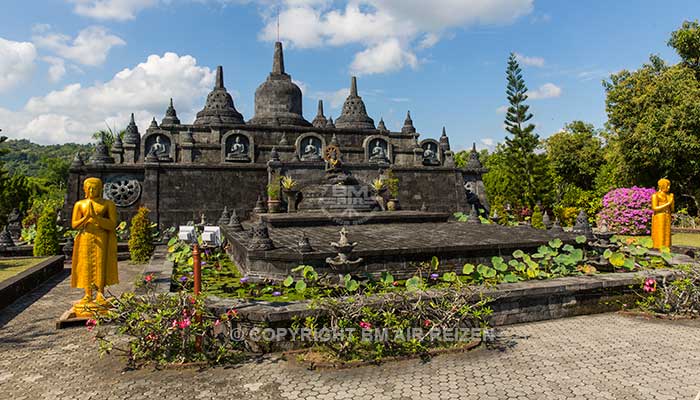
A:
x: 608, y: 356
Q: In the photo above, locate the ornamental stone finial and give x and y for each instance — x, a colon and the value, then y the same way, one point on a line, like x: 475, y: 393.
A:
x: 278, y: 60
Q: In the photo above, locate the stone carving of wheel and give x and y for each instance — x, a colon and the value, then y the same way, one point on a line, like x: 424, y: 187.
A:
x: 123, y: 191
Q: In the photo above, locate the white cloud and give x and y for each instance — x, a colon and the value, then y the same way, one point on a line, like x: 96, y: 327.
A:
x: 399, y: 26
x: 531, y: 61
x: 502, y: 109
x: 334, y: 99
x: 90, y: 47
x: 488, y: 143
x: 74, y: 112
x: 384, y: 57
x: 546, y: 91
x: 119, y: 10
x: 57, y: 68
x: 16, y: 63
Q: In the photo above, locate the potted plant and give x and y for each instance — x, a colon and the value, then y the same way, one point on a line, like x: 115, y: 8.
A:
x: 274, y: 204
x: 290, y: 192
x: 392, y: 183
x: 379, y: 186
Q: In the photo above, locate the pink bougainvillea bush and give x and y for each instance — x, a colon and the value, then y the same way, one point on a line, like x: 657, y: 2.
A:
x: 627, y: 211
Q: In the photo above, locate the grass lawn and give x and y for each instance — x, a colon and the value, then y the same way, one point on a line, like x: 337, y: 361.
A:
x: 679, y: 239
x: 12, y: 267
x: 686, y: 239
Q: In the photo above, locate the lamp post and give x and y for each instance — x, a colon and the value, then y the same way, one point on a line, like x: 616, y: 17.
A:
x: 211, y: 237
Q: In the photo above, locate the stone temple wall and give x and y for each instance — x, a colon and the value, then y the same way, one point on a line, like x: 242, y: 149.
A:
x: 178, y: 193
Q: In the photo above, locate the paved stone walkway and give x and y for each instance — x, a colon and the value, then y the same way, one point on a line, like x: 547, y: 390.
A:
x: 607, y: 356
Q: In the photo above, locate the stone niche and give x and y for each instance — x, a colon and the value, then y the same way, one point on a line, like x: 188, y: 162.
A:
x: 432, y: 156
x: 378, y: 150
x: 237, y: 146
x: 158, y: 147
x: 310, y: 147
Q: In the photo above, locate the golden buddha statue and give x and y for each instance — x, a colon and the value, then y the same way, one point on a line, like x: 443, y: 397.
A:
x: 94, y: 262
x: 662, y: 204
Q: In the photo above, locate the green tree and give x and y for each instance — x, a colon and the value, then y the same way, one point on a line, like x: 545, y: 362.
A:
x: 654, y: 124
x: 109, y: 135
x: 47, y: 235
x: 526, y: 170
x: 576, y: 154
x: 686, y: 41
x: 141, y: 238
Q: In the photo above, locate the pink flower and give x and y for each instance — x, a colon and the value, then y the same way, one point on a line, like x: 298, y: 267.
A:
x: 427, y: 323
x: 395, y: 283
x: 174, y: 324
x: 650, y: 285
x: 148, y: 278
x: 90, y: 324
x: 365, y: 325
x: 217, y: 323
x: 184, y: 323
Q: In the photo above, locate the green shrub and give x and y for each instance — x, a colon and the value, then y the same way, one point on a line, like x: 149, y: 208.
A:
x: 47, y: 236
x: 536, y: 218
x: 141, y: 239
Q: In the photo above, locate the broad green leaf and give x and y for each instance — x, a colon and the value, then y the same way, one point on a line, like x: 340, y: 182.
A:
x: 617, y: 259
x: 580, y: 239
x: 468, y: 269
x: 510, y: 278
x: 607, y: 253
x: 434, y: 262
x: 555, y: 243
x: 387, y: 278
x: 489, y: 273
x: 518, y: 254
x: 288, y: 282
x: 628, y: 264
x: 300, y: 286
x: 449, y: 277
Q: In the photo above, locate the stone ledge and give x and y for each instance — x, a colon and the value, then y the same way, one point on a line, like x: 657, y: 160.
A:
x: 16, y: 286
x: 514, y: 302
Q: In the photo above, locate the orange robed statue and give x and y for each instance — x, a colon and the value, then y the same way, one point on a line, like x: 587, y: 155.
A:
x: 662, y: 204
x: 95, y: 249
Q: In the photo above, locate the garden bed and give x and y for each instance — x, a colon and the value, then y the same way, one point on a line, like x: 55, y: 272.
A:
x: 19, y: 276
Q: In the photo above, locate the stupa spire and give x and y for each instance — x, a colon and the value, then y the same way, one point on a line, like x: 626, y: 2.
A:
x: 219, y: 78
x: 354, y: 114
x: 320, y: 121
x: 170, y: 115
x: 408, y: 124
x: 219, y: 108
x: 278, y: 60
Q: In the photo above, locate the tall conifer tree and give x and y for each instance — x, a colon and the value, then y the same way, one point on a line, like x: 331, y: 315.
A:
x: 527, y: 170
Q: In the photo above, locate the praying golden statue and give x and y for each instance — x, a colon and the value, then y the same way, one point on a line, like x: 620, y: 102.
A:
x: 662, y: 204
x: 95, y: 248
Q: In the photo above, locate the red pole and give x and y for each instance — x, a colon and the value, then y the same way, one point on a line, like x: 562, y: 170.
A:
x: 197, y: 266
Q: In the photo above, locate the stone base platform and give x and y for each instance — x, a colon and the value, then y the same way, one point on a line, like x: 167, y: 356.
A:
x: 400, y: 244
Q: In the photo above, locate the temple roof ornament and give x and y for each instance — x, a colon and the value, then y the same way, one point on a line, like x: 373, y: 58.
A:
x: 153, y: 126
x: 278, y: 98
x: 320, y: 121
x: 408, y: 124
x: 382, y: 127
x: 219, y: 108
x: 132, y: 135
x: 354, y: 114
x: 330, y: 123
x: 444, y: 141
x: 118, y: 145
x: 170, y: 115
x: 473, y: 164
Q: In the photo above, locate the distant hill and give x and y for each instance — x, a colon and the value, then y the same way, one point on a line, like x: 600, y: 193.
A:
x: 30, y: 159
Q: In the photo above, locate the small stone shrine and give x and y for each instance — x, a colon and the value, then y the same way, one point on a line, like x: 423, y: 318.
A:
x: 181, y: 171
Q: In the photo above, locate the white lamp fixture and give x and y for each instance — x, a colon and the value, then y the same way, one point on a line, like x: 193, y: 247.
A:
x: 211, y: 236
x: 186, y: 233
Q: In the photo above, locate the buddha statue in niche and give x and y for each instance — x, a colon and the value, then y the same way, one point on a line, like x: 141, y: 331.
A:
x: 239, y: 151
x: 378, y: 153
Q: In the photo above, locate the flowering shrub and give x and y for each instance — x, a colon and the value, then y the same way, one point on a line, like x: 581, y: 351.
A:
x: 627, y: 210
x: 677, y: 297
x: 163, y: 328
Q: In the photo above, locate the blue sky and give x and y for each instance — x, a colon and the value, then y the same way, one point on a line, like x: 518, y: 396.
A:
x: 68, y: 67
